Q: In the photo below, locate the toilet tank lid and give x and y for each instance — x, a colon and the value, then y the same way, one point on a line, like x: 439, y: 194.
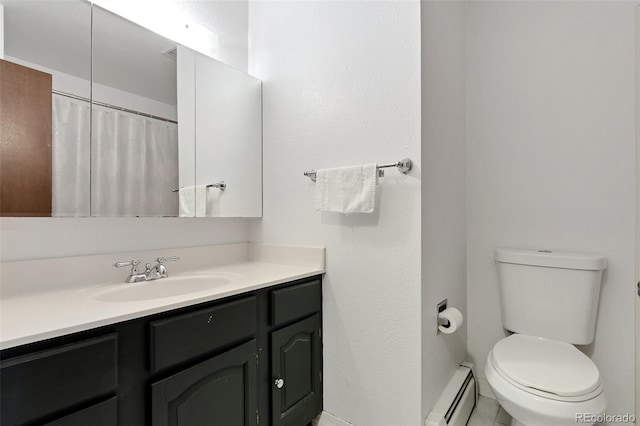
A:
x: 551, y: 259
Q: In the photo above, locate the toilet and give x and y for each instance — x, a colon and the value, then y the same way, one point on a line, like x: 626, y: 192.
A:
x: 549, y: 301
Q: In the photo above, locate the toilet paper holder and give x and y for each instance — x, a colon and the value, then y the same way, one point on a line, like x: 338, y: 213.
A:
x: 450, y: 319
x: 441, y: 321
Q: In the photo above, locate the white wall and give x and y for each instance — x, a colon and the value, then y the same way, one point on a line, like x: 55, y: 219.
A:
x: 219, y: 22
x: 550, y: 113
x: 31, y: 238
x: 229, y: 20
x: 444, y: 239
x: 341, y: 87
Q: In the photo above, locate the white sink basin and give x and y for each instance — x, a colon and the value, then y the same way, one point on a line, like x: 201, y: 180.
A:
x: 157, y: 289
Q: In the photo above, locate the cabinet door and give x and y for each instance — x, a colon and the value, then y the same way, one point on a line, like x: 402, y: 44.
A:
x: 296, y: 367
x: 219, y: 391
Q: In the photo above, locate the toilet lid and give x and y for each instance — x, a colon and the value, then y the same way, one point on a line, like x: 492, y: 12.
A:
x: 546, y: 365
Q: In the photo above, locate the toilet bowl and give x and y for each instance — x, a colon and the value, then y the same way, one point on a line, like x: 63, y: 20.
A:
x: 549, y: 301
x: 542, y: 382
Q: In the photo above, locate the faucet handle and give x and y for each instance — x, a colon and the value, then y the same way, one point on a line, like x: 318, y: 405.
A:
x: 134, y: 263
x: 165, y: 259
x: 133, y: 276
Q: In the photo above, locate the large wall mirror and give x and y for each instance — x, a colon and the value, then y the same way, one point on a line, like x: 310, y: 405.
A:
x: 138, y: 125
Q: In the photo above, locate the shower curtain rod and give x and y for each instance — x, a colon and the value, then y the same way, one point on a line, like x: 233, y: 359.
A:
x: 102, y: 104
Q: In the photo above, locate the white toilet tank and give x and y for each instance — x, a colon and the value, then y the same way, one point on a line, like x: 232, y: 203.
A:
x: 550, y: 294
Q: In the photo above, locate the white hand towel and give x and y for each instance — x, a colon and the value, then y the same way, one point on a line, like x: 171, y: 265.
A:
x: 201, y: 201
x: 187, y: 201
x: 193, y: 201
x: 347, y: 189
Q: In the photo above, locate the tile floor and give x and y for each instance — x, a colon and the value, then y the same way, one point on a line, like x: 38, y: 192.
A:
x: 489, y: 413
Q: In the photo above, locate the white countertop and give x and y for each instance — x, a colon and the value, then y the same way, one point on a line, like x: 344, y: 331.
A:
x: 37, y: 315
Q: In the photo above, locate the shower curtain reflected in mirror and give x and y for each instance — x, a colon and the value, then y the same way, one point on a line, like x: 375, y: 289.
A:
x: 71, y: 157
x: 134, y: 163
x: 134, y: 166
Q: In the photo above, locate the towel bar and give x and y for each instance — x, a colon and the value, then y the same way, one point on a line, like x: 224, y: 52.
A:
x: 404, y: 166
x: 222, y: 185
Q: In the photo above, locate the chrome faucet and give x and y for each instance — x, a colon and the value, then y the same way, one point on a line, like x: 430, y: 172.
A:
x: 151, y: 273
x: 158, y: 270
x: 134, y: 275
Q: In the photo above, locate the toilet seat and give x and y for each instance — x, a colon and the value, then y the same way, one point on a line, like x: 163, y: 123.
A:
x: 531, y: 409
x: 547, y: 368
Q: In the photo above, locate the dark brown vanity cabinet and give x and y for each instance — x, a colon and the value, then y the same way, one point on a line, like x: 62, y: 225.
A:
x: 246, y: 360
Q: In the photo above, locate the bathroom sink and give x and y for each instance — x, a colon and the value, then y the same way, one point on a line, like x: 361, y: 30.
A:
x: 157, y: 289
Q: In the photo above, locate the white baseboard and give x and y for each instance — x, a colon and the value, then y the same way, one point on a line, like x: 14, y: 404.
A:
x: 328, y: 419
x: 485, y: 389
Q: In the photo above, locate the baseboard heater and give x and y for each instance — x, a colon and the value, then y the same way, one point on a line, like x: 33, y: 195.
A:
x: 455, y: 405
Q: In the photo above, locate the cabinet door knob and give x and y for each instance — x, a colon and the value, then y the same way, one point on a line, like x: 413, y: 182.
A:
x: 279, y: 383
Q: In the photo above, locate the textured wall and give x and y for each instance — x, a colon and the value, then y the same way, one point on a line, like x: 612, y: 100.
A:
x: 550, y: 136
x: 444, y: 239
x: 228, y: 19
x: 341, y: 87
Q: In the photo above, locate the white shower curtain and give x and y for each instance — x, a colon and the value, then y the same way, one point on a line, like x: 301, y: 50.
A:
x: 134, y: 165
x: 128, y: 169
x: 71, y: 157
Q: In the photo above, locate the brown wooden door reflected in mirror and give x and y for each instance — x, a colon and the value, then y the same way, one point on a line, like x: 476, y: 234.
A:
x: 25, y: 141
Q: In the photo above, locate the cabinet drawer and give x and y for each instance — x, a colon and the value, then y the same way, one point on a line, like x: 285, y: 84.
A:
x: 104, y: 413
x: 39, y: 384
x: 295, y: 302
x: 180, y: 338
